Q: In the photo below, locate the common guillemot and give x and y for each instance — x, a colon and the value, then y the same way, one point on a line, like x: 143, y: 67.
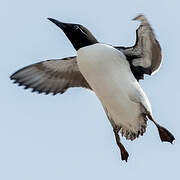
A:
x: 106, y: 71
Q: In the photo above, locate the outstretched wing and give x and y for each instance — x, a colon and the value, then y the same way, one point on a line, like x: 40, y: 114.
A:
x: 145, y: 55
x: 148, y: 45
x: 51, y: 76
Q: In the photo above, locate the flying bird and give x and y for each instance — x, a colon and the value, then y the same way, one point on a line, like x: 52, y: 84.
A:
x: 112, y: 73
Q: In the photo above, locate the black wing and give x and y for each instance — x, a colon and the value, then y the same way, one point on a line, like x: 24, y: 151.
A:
x: 145, y: 55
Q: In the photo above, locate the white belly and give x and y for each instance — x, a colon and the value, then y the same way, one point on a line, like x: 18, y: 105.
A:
x: 108, y: 73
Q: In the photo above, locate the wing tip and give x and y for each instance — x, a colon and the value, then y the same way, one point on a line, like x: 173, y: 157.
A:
x: 140, y: 17
x: 12, y: 77
x: 33, y: 90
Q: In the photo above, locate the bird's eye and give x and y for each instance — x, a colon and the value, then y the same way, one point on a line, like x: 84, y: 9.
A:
x: 76, y: 27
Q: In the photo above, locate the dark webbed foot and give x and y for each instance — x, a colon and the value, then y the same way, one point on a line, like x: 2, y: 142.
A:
x: 165, y: 135
x: 124, y: 153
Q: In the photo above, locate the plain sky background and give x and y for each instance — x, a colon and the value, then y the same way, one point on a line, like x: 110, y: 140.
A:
x: 68, y: 136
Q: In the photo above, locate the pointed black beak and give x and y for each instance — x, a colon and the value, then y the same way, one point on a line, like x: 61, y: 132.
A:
x: 58, y: 23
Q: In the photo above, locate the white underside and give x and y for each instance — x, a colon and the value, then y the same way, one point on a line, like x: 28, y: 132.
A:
x: 108, y: 73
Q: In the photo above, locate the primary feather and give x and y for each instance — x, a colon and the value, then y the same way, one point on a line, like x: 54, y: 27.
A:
x: 51, y: 76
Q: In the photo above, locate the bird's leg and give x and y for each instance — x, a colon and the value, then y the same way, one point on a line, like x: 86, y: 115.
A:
x: 164, y: 134
x: 124, y: 153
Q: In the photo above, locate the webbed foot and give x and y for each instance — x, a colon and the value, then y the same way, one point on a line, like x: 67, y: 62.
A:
x: 165, y: 135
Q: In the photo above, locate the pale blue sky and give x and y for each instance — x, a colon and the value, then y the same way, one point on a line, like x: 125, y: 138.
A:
x: 68, y: 136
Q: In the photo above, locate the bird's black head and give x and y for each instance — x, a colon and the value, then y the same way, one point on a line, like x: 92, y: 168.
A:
x: 76, y: 33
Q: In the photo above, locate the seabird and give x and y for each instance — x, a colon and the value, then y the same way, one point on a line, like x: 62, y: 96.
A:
x: 112, y: 73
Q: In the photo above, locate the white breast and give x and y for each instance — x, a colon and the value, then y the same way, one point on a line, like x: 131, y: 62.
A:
x: 108, y: 73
